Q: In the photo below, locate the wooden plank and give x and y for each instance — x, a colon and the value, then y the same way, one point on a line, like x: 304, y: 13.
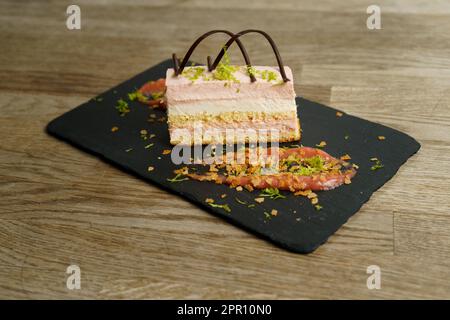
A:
x: 132, y: 240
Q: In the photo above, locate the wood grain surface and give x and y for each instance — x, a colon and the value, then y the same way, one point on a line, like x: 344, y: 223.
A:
x: 60, y: 206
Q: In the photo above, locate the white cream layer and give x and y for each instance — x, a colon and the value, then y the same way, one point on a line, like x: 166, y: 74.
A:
x: 215, y: 107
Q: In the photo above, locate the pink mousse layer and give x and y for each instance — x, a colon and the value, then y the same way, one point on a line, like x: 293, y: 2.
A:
x: 180, y: 88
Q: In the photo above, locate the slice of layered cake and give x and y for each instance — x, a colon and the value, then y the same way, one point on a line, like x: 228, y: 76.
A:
x: 225, y: 104
x: 227, y: 99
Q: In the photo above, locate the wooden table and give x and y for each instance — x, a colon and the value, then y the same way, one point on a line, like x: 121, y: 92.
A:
x: 60, y: 206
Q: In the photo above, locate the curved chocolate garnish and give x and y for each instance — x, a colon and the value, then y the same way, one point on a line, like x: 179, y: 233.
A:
x: 179, y: 66
x: 236, y: 38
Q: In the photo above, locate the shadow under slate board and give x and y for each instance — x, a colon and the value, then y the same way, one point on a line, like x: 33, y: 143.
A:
x: 298, y: 227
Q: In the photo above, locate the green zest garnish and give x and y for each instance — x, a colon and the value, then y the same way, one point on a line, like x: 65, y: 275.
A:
x: 272, y: 193
x: 304, y: 171
x: 268, y: 75
x: 267, y: 215
x: 265, y: 74
x: 315, y: 162
x: 251, y: 71
x: 136, y: 95
x: 149, y: 145
x: 193, y: 73
x: 221, y: 206
x: 224, y: 70
x: 122, y: 107
x: 178, y: 178
x: 129, y: 150
x: 158, y: 95
x: 98, y: 99
x: 377, y: 165
x: 244, y: 203
x: 305, y: 167
x: 318, y: 207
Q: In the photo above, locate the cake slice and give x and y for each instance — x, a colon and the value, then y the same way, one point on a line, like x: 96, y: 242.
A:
x: 212, y: 107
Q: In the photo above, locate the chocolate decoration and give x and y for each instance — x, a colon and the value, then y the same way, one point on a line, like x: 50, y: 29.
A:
x: 179, y: 67
x: 176, y: 62
x: 236, y: 38
x: 208, y: 60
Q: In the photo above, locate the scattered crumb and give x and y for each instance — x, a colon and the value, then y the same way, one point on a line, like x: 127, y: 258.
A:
x: 159, y: 158
x: 239, y: 188
x: 311, y: 195
x: 150, y: 168
x: 114, y: 129
x: 381, y: 138
x: 345, y: 157
x: 373, y: 159
x: 347, y: 180
x: 143, y: 132
x: 223, y: 196
x: 209, y: 200
x: 321, y: 144
x: 355, y: 166
x: 304, y: 193
x: 166, y: 151
x: 339, y: 114
x: 274, y: 212
x: 129, y: 150
x: 314, y: 200
x: 249, y: 187
x: 259, y: 200
x: 318, y: 207
x: 183, y: 171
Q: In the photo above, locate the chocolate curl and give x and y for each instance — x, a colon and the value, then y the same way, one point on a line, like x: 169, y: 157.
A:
x: 176, y: 63
x: 236, y: 38
x: 179, y: 67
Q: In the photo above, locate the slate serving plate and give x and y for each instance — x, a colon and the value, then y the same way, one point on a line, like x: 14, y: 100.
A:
x: 298, y: 227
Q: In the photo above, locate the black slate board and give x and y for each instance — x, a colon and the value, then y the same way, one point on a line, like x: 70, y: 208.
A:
x: 298, y: 227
